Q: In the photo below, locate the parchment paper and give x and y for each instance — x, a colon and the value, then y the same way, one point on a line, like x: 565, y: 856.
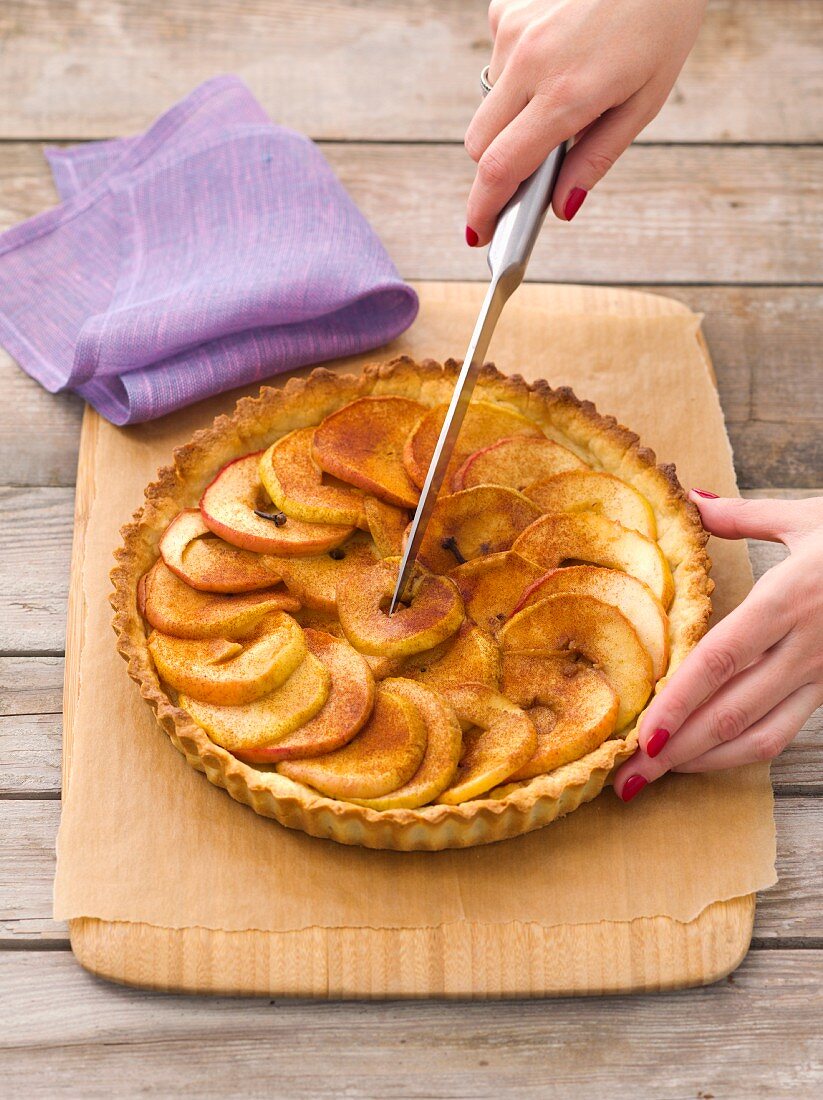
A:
x: 146, y: 838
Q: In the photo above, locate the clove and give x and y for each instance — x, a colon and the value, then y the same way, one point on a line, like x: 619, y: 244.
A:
x: 278, y: 518
x: 450, y: 544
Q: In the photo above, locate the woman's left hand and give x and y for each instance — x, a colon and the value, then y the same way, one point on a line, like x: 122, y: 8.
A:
x: 748, y: 687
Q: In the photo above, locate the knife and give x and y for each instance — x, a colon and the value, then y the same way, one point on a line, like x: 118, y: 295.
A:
x: 509, y: 251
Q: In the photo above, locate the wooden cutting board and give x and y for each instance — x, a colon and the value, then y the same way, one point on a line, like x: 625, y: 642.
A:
x: 466, y: 960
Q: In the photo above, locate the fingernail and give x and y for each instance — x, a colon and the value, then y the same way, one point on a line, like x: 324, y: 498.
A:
x: 471, y: 237
x: 657, y: 742
x: 573, y: 203
x: 705, y: 493
x: 633, y: 786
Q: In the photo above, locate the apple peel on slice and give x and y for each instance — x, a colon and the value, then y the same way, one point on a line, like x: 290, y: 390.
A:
x: 433, y: 613
x: 485, y: 423
x: 602, y: 634
x: 214, y: 670
x: 363, y: 442
x: 573, y: 708
x: 295, y: 483
x: 515, y: 462
x: 629, y: 595
x: 229, y: 508
x: 253, y: 726
x: 594, y: 491
x: 171, y: 607
x: 208, y: 563
x: 499, y: 739
x: 345, y: 712
x: 473, y: 523
x: 443, y: 748
x: 382, y: 757
x: 493, y: 586
x: 470, y: 654
x: 588, y: 537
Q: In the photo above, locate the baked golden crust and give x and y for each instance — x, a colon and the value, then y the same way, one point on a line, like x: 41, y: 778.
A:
x: 513, y: 809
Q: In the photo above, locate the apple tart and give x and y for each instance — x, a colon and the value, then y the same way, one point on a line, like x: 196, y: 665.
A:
x: 562, y: 578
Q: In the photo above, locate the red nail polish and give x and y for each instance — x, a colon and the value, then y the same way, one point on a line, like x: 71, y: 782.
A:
x: 573, y: 203
x: 471, y: 237
x: 633, y: 786
x: 657, y: 742
x: 705, y: 493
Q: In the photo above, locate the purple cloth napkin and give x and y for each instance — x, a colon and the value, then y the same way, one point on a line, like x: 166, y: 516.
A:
x: 214, y: 250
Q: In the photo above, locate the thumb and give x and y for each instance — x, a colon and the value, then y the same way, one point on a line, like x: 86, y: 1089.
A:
x: 734, y: 518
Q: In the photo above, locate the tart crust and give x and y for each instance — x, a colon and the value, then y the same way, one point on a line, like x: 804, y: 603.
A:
x: 512, y: 810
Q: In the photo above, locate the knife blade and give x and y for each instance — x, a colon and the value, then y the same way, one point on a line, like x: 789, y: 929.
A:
x: 509, y: 251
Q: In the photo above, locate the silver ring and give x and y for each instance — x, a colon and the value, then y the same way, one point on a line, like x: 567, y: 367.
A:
x: 484, y: 81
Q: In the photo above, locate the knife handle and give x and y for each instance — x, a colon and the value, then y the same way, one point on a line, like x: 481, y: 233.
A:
x: 520, y: 221
x: 522, y: 217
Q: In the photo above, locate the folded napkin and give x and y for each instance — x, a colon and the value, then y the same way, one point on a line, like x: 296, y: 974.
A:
x: 214, y: 250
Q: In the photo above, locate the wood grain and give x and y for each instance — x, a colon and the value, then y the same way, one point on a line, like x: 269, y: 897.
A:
x: 724, y: 214
x: 36, y: 526
x: 316, y: 65
x: 754, y: 1035
x: 791, y: 911
x: 764, y: 341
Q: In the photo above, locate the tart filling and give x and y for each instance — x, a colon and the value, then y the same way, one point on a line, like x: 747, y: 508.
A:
x: 562, y: 577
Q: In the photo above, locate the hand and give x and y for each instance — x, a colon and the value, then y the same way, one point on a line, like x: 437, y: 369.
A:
x: 598, y: 69
x: 748, y: 687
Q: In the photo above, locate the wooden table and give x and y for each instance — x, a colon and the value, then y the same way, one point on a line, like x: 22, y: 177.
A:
x: 720, y: 205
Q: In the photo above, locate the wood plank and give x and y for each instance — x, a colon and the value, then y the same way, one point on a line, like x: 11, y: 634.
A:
x: 35, y: 545
x: 764, y: 342
x: 792, y: 910
x: 31, y: 685
x: 753, y: 1035
x: 316, y: 65
x: 36, y: 526
x: 723, y: 214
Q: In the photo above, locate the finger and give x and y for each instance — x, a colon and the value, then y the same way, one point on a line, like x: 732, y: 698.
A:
x: 766, y: 739
x: 760, y: 622
x: 597, y: 149
x: 734, y: 518
x: 732, y: 710
x: 513, y: 155
x: 502, y: 104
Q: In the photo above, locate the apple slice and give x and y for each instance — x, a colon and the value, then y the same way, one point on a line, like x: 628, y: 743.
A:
x: 345, y: 712
x: 314, y: 581
x: 296, y: 484
x: 387, y: 525
x: 473, y: 523
x: 443, y: 748
x: 498, y: 740
x: 384, y: 755
x: 470, y: 654
x: 253, y: 726
x: 379, y: 665
x: 573, y: 708
x: 230, y: 505
x: 171, y: 607
x: 629, y: 595
x: 362, y: 443
x: 592, y: 491
x: 209, y: 564
x: 214, y: 670
x: 492, y: 587
x: 587, y: 537
x: 434, y: 611
x: 485, y: 423
x: 515, y: 462
x: 584, y: 624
